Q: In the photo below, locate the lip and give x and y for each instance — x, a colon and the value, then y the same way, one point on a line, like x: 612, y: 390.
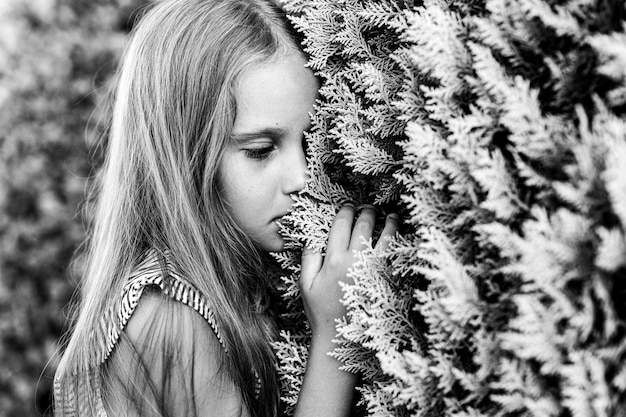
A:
x: 279, y: 217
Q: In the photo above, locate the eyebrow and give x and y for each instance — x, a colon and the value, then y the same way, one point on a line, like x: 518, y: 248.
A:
x: 268, y: 132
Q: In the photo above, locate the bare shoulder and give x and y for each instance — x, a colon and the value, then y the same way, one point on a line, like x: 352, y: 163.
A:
x: 179, y: 354
x: 160, y: 320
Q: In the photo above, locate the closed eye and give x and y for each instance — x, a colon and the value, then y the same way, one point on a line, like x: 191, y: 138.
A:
x: 258, y: 153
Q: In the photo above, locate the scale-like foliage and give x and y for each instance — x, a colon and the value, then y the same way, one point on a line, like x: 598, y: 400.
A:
x: 497, y: 129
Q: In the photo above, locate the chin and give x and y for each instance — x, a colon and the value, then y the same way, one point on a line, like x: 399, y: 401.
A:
x: 276, y: 244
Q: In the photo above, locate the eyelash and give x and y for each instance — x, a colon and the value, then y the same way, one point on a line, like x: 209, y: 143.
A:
x: 259, y: 153
x: 264, y: 152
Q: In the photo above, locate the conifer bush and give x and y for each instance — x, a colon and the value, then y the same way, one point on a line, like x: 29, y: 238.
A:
x: 497, y: 129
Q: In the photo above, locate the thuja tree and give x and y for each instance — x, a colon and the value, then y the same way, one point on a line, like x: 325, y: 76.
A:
x: 498, y: 130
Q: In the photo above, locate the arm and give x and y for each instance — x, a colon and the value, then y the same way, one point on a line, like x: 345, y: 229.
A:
x: 327, y: 390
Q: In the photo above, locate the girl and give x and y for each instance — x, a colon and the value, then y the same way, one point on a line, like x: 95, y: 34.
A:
x: 205, y: 150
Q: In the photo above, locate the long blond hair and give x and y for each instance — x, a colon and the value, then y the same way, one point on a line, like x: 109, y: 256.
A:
x: 173, y: 114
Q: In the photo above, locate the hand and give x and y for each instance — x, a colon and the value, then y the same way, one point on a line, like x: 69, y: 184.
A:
x: 320, y: 277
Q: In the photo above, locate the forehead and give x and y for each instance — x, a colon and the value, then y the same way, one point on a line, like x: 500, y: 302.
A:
x: 275, y: 93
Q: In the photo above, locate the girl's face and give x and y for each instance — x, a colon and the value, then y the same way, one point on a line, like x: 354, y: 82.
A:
x: 265, y: 161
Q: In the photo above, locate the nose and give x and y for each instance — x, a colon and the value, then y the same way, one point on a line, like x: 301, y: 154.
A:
x: 296, y: 173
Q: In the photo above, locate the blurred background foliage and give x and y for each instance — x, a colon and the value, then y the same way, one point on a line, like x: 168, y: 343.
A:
x: 56, y: 58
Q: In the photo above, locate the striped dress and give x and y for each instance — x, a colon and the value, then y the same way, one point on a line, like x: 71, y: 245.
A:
x: 151, y: 272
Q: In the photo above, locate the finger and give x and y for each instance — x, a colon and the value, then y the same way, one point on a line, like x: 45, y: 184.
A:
x: 392, y: 223
x: 363, y: 228
x: 311, y: 265
x: 339, y: 236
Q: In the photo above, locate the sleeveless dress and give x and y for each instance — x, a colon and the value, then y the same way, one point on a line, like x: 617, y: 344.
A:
x: 151, y: 272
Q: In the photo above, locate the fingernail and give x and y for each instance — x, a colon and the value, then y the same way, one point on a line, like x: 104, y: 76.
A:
x: 393, y: 216
x: 348, y: 205
x: 366, y: 206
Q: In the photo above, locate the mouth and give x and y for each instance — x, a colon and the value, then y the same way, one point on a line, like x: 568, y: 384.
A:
x: 278, y: 219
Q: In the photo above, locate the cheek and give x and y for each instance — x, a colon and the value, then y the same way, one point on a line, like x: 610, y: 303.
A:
x: 243, y: 189
x: 227, y: 177
x: 238, y: 194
